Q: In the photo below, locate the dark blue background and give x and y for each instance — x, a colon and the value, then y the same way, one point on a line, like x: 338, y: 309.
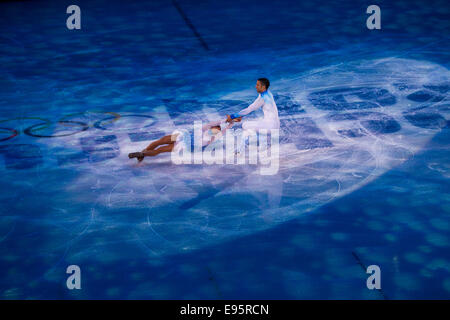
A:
x: 128, y: 53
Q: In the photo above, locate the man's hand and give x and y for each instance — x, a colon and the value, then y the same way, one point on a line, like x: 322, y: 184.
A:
x: 229, y: 120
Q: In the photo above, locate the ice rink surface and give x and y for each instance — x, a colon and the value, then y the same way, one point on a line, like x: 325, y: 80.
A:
x: 363, y: 173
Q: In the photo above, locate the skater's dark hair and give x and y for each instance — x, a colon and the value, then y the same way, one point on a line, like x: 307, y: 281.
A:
x: 218, y: 127
x: 265, y: 82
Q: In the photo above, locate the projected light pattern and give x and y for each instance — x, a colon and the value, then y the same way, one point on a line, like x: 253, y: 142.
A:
x: 327, y: 150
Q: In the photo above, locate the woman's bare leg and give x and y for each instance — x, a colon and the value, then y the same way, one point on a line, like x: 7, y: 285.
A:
x: 165, y: 144
x: 159, y: 142
x: 154, y: 152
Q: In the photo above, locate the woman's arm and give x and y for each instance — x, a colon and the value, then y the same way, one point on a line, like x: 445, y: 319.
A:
x: 222, y: 133
x: 212, y: 124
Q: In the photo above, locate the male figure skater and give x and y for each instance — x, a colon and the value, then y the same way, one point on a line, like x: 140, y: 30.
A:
x: 269, y: 107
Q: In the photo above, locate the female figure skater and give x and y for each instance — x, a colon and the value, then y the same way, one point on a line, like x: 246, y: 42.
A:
x: 211, y: 132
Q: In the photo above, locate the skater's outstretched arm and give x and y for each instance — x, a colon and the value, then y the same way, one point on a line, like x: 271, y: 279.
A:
x: 221, y: 133
x: 258, y: 103
x: 213, y: 124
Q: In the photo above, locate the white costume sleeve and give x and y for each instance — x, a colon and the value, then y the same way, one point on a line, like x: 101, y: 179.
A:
x: 258, y: 103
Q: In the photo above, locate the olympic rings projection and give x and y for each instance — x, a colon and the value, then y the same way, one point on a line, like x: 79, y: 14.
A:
x: 44, y: 123
x: 72, y: 126
x: 100, y: 124
x: 29, y: 130
x: 115, y: 115
x: 14, y: 133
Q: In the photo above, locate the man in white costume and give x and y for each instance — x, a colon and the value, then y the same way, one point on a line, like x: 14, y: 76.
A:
x: 269, y: 107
